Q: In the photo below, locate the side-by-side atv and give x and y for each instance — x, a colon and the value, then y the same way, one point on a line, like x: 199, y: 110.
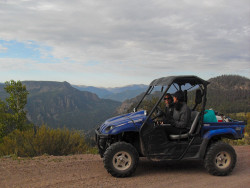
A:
x: 123, y: 139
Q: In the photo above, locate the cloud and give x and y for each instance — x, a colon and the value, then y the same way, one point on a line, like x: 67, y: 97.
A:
x: 143, y: 38
x: 3, y: 49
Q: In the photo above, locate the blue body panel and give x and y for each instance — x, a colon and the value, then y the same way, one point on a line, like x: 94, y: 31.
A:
x: 123, y: 123
x: 224, y: 128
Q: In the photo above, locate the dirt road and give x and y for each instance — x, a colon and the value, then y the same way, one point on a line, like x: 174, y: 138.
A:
x: 88, y: 171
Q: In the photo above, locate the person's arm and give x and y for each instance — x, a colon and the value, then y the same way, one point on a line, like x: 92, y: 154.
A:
x: 168, y: 115
x: 183, y: 120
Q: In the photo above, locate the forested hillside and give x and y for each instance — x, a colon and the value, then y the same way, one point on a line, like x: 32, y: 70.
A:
x: 58, y: 104
x: 229, y: 94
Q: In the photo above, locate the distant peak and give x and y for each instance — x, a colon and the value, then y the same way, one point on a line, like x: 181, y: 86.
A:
x: 230, y: 82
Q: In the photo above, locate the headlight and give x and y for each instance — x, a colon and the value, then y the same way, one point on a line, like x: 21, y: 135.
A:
x: 109, y: 128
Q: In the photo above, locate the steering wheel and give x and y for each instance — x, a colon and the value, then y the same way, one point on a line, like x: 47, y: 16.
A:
x: 159, y: 113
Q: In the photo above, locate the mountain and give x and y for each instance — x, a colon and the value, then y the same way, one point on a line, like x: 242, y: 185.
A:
x: 128, y: 88
x: 117, y: 93
x: 3, y: 94
x: 226, y: 94
x: 229, y: 94
x: 58, y: 104
x: 127, y: 94
x: 101, y: 92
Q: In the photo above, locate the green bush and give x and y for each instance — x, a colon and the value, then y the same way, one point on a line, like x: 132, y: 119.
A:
x: 43, y: 140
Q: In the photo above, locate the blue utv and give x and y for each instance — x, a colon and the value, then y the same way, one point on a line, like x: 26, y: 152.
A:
x: 123, y: 139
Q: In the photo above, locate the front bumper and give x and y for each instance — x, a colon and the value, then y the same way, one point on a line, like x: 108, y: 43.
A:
x: 101, y: 141
x: 99, y: 136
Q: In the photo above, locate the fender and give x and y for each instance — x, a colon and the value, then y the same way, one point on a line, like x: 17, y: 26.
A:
x: 210, y: 134
x: 217, y: 132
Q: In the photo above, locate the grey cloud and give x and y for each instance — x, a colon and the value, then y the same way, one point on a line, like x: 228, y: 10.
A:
x: 145, y: 34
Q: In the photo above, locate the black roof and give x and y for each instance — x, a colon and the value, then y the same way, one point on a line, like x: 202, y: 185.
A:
x: 180, y: 80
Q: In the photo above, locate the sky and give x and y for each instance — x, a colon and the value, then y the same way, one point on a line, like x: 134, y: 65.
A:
x: 112, y: 43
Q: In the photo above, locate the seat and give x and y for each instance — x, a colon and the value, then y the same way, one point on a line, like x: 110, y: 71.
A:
x: 198, y: 98
x: 195, y: 117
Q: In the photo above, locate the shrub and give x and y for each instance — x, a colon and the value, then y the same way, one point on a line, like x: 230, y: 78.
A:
x: 35, y: 142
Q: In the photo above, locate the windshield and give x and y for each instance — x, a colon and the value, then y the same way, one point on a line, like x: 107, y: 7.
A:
x: 153, y: 99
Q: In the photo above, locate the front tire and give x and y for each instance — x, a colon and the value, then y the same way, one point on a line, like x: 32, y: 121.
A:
x: 220, y: 159
x: 121, y: 159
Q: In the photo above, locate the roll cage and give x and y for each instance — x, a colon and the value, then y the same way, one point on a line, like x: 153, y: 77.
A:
x: 177, y: 82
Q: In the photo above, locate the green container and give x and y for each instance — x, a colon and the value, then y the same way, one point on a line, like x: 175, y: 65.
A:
x: 209, y: 117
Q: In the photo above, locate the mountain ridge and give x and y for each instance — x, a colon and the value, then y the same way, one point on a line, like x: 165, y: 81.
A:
x: 58, y: 104
x: 117, y: 93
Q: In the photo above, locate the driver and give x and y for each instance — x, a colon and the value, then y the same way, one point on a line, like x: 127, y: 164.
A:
x: 169, y: 109
x: 180, y: 121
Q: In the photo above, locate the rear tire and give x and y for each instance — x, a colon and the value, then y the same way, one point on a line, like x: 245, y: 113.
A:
x: 121, y: 159
x: 220, y: 159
